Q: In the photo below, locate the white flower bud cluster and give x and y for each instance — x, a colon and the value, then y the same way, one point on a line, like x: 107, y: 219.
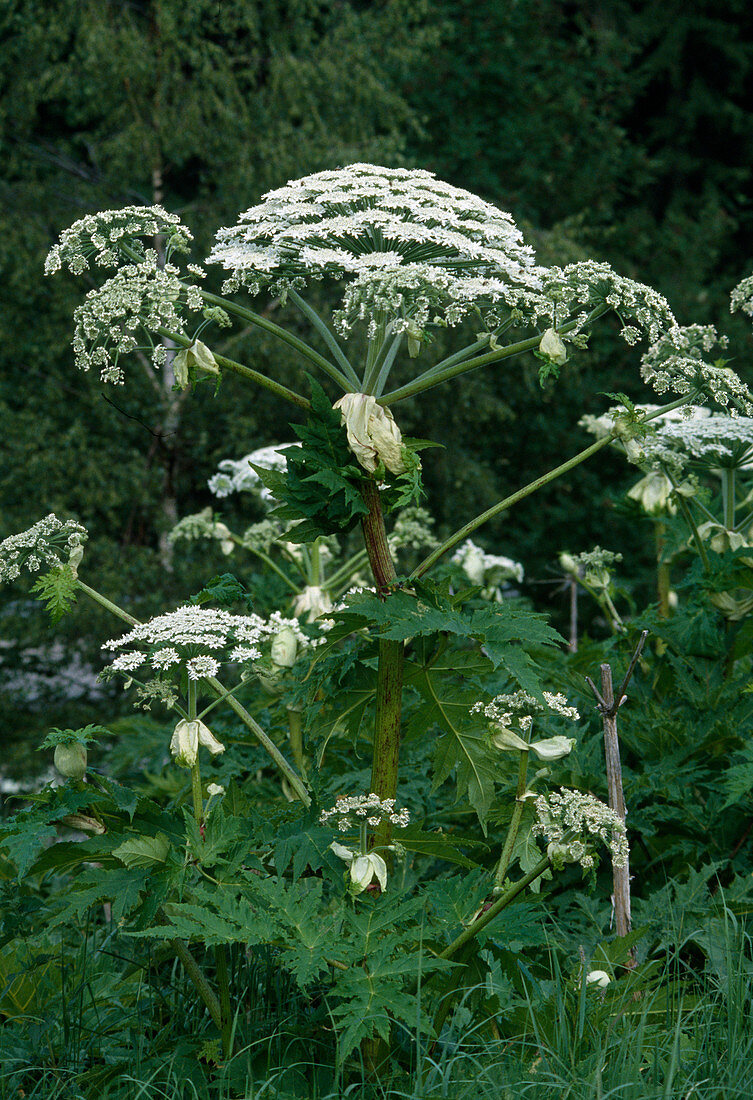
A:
x: 139, y: 296
x: 483, y: 568
x: 676, y: 361
x: 49, y: 542
x: 592, y: 565
x: 581, y: 287
x: 261, y: 535
x: 742, y: 296
x: 521, y: 706
x: 235, y: 475
x: 177, y: 639
x: 199, y: 525
x: 412, y: 530
x: 350, y: 811
x: 95, y: 239
x: 569, y: 818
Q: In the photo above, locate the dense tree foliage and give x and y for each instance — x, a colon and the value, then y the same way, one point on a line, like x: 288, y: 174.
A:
x: 619, y: 129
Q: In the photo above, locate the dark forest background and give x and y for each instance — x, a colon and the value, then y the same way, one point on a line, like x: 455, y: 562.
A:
x: 611, y: 129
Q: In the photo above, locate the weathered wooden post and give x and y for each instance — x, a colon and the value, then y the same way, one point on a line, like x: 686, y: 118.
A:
x: 608, y: 705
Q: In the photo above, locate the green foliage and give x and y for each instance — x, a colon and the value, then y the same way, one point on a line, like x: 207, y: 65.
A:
x: 57, y: 589
x: 321, y: 488
x: 83, y: 736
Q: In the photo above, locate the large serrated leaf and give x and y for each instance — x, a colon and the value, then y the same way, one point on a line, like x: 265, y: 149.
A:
x: 448, y: 691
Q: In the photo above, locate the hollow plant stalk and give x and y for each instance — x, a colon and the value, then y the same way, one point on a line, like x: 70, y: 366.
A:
x: 517, y: 814
x: 389, y: 689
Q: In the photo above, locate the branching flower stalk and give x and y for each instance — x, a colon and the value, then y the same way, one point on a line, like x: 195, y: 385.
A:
x: 295, y: 781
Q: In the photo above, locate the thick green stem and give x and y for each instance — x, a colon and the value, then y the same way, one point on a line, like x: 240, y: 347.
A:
x: 496, y: 907
x: 195, y: 973
x: 107, y: 604
x: 389, y: 689
x: 295, y: 731
x: 226, y: 1008
x: 271, y: 564
x: 198, y: 799
x: 662, y: 569
x: 532, y: 487
x: 517, y: 814
x: 346, y: 571
x: 245, y: 372
x: 728, y: 498
x: 687, y: 515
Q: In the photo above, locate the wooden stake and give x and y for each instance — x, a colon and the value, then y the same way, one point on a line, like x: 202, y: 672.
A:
x: 608, y: 705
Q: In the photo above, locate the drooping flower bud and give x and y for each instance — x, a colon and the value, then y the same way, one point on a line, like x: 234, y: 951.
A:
x: 553, y: 748
x: 506, y: 740
x: 553, y: 347
x: 363, y: 868
x: 284, y: 648
x: 70, y: 760
x: 312, y: 603
x: 654, y: 493
x: 184, y: 743
x: 209, y: 741
x: 373, y: 435
x: 568, y: 564
x: 85, y: 823
x: 721, y: 539
x: 414, y: 333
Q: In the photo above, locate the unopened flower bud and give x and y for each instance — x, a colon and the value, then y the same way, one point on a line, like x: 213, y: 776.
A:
x: 568, y: 564
x: 84, y: 823
x: 506, y: 740
x: 373, y: 435
x: 553, y: 748
x: 553, y: 347
x: 312, y: 603
x: 284, y: 648
x: 184, y: 743
x: 70, y: 760
x: 209, y: 741
x: 654, y: 493
x: 414, y: 334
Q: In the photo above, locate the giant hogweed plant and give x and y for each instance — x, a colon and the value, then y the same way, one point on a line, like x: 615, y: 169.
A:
x: 336, y: 887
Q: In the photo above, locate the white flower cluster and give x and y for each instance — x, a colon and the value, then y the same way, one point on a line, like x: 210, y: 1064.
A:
x: 49, y: 542
x: 581, y: 287
x: 235, y: 475
x: 199, y: 525
x: 415, y: 247
x: 483, y: 568
x: 261, y: 535
x: 715, y: 439
x: 178, y: 638
x: 522, y: 706
x: 742, y: 296
x: 412, y: 530
x: 569, y: 818
x: 348, y: 811
x: 96, y: 237
x: 143, y: 295
x: 676, y: 361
